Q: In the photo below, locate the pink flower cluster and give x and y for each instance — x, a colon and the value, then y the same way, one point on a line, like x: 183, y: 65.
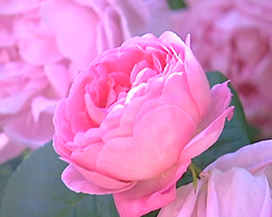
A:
x: 43, y: 46
x: 235, y: 37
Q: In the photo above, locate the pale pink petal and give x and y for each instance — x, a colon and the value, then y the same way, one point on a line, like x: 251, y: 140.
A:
x: 238, y: 193
x: 24, y: 130
x: 17, y: 6
x: 41, y: 104
x: 185, y: 202
x: 35, y: 46
x: 7, y: 37
x: 19, y: 83
x: 255, y: 158
x: 133, y: 16
x: 8, y: 150
x: 59, y: 78
x: 76, y: 38
x: 108, y: 30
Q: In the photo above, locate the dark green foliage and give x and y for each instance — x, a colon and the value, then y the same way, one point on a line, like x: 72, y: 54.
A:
x: 36, y: 190
x: 176, y: 4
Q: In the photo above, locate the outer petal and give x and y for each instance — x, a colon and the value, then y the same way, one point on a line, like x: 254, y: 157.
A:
x: 233, y: 193
x: 221, y: 98
x: 150, y: 194
x: 255, y: 158
x: 213, y: 122
x: 238, y: 193
x: 41, y: 104
x: 75, y: 39
x: 133, y: 16
x: 198, y: 81
x: 19, y: 83
x: 36, y: 43
x: 185, y: 202
x: 17, y: 6
x: 24, y: 130
x: 74, y: 180
x: 58, y: 77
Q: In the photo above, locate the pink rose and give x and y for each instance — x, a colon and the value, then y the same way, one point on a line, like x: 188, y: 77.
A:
x: 235, y: 37
x: 44, y: 44
x: 84, y: 29
x: 31, y: 80
x: 134, y: 119
x: 236, y: 184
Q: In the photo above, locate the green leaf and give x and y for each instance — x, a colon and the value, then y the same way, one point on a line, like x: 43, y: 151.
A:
x: 152, y: 214
x: 176, y: 4
x: 235, y: 135
x: 6, y: 171
x: 36, y: 190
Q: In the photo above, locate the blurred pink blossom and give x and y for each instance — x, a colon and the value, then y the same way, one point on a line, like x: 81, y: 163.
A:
x: 236, y: 184
x: 235, y: 37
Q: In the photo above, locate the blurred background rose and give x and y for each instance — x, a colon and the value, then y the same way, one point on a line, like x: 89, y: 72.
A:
x: 236, y: 184
x: 44, y: 44
x: 235, y: 37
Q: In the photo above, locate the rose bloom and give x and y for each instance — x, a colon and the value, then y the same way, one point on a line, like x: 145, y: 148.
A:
x: 43, y: 45
x: 133, y: 120
x: 31, y: 80
x: 235, y: 37
x: 236, y: 184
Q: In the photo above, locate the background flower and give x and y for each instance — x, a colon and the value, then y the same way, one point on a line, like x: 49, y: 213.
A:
x: 236, y: 184
x: 133, y: 120
x: 235, y: 37
x: 44, y: 44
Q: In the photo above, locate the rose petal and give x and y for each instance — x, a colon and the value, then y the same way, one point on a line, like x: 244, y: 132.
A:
x: 132, y: 159
x: 74, y: 180
x: 150, y: 194
x: 237, y: 193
